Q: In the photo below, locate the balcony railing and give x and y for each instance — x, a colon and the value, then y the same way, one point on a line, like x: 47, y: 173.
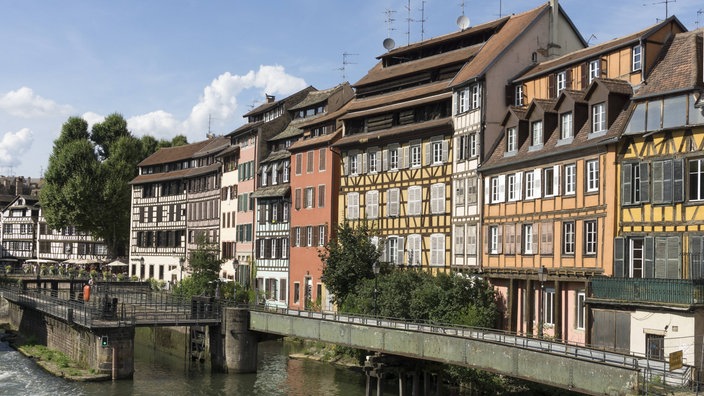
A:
x: 649, y: 290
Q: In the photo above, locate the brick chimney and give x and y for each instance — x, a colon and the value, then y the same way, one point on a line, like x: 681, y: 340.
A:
x: 270, y: 98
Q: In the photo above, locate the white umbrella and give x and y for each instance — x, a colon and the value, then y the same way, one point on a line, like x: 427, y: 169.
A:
x: 117, y: 263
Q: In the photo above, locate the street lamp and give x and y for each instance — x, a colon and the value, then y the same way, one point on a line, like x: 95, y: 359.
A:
x: 181, y: 260
x: 542, y: 277
x: 375, y: 268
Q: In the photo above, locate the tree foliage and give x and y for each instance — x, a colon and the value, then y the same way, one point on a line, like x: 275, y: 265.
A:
x: 86, y: 182
x: 347, y: 260
x: 204, y: 266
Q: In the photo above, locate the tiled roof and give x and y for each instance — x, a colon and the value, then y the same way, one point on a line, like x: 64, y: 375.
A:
x: 315, y: 97
x: 379, y: 73
x: 172, y: 154
x: 582, y: 140
x: 214, y: 146
x: 591, y: 52
x: 316, y: 141
x: 292, y: 129
x: 440, y: 125
x: 176, y: 175
x: 276, y: 156
x: 267, y: 106
x: 246, y: 127
x: 679, y: 70
x: 272, y: 191
x: 398, y: 96
x: 397, y: 106
x: 497, y: 44
x: 229, y: 150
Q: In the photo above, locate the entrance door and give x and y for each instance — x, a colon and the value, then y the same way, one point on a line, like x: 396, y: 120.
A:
x: 308, y: 292
x: 655, y: 346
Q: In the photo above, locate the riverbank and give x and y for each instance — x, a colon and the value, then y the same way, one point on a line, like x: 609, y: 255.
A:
x: 53, y: 362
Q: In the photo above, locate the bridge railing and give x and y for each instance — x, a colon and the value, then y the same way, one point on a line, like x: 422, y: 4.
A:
x: 649, y: 367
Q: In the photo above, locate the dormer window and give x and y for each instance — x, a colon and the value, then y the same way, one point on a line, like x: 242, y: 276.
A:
x: 462, y: 100
x: 594, y: 70
x: 476, y: 96
x: 566, y: 126
x: 536, y: 129
x: 511, y: 140
x: 599, y: 117
x: 636, y: 58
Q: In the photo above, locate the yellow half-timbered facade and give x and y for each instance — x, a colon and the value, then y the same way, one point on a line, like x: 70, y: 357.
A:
x: 657, y: 263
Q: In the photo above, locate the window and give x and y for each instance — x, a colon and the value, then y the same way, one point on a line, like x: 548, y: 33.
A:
x: 636, y: 58
x: 372, y: 204
x: 634, y: 183
x: 322, y: 237
x: 321, y: 159
x: 296, y: 292
x: 599, y: 118
x: 392, y: 202
x: 495, y: 189
x: 415, y: 154
x: 414, y: 200
x: 530, y: 184
x: 594, y: 70
x: 471, y: 240
x: 561, y: 80
x: 437, y: 249
x: 414, y: 249
x: 309, y: 197
x: 536, y: 129
x: 568, y: 236
x: 476, y: 96
x: 590, y: 237
x: 354, y: 164
x: 310, y: 162
x: 528, y: 239
x: 472, y: 190
x: 494, y: 240
x: 696, y: 179
x: 511, y: 140
x: 393, y: 158
x: 581, y: 310
x: 473, y: 145
x: 373, y: 161
x: 463, y: 100
x: 309, y: 236
x: 551, y: 178
x: 546, y: 230
x: 637, y: 258
x: 321, y: 196
x: 518, y: 95
x: 394, y: 250
x: 286, y: 171
x: 459, y: 193
x: 566, y: 129
x: 352, y: 206
x: 592, y: 176
x: 512, y: 187
x: 437, y: 198
x: 438, y: 151
x: 297, y: 236
x: 549, y: 306
x: 570, y: 179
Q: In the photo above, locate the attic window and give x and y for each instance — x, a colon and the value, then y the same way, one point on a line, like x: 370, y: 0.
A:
x: 536, y: 129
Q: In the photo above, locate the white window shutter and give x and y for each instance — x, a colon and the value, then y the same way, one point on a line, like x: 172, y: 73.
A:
x: 537, y: 183
x: 404, y: 157
x: 502, y: 188
x: 487, y: 190
x: 444, y: 150
x: 401, y: 251
x: 385, y: 160
x: 519, y: 186
x: 428, y: 154
x: 556, y: 179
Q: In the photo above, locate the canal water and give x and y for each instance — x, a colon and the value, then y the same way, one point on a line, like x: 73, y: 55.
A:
x: 157, y: 373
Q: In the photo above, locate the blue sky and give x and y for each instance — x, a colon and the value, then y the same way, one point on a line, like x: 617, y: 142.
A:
x: 187, y: 66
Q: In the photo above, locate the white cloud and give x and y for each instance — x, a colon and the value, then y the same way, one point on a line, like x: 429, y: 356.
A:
x: 160, y: 124
x: 92, y: 118
x: 13, y: 146
x: 25, y: 103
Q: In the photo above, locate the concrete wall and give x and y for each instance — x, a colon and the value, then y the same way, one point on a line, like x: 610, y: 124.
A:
x: 80, y: 344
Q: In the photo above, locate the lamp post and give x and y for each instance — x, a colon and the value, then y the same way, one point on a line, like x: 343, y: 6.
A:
x: 375, y: 268
x: 181, y: 260
x: 542, y: 277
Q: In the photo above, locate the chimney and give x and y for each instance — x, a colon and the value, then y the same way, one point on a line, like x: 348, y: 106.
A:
x: 270, y: 98
x: 554, y: 18
x: 18, y: 186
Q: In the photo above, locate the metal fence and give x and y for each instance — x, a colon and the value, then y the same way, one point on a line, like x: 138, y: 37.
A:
x: 670, y: 291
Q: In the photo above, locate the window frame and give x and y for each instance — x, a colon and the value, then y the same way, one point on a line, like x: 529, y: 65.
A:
x: 591, y: 234
x: 536, y: 133
x: 511, y: 140
x: 599, y: 118
x: 570, y: 179
x: 566, y: 128
x: 592, y: 175
x: 636, y: 58
x: 569, y: 234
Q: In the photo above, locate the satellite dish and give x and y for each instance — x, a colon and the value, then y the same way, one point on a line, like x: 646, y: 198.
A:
x: 463, y: 22
x: 389, y: 44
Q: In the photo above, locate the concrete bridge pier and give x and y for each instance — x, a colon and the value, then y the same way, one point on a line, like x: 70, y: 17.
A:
x: 240, y: 344
x: 117, y: 358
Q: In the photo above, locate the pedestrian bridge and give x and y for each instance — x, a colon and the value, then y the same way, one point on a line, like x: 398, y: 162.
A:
x: 573, y: 367
x: 565, y: 366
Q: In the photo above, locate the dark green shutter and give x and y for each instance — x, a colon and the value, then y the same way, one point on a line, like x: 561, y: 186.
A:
x: 674, y: 270
x: 649, y: 257
x: 667, y: 181
x: 678, y: 180
x: 626, y: 184
x: 619, y: 256
x: 695, y: 257
x: 661, y: 257
x: 644, y: 182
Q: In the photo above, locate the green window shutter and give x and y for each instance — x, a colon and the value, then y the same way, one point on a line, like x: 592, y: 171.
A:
x: 644, y: 182
x: 619, y: 256
x: 667, y: 181
x: 649, y: 256
x: 661, y: 257
x: 626, y: 190
x: 658, y: 182
x: 678, y: 180
x: 695, y: 257
x: 674, y: 268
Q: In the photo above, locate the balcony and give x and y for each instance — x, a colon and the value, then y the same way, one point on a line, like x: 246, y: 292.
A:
x: 648, y: 291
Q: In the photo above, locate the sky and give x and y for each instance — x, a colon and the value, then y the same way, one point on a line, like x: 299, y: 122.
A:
x: 191, y: 67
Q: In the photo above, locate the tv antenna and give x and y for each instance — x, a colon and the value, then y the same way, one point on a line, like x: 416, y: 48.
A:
x: 389, y: 43
x: 700, y: 12
x: 408, y: 21
x: 255, y: 103
x: 422, y: 20
x: 666, y: 2
x: 345, y: 62
x: 590, y: 39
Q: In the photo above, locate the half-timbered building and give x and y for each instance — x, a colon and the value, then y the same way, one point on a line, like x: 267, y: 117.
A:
x: 549, y: 200
x: 479, y: 105
x: 19, y: 229
x: 652, y: 304
x: 68, y: 243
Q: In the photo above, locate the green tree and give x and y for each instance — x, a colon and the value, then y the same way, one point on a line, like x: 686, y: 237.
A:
x: 205, y: 268
x: 348, y: 259
x: 86, y: 182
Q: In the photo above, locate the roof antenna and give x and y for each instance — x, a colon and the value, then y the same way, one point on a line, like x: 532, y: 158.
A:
x: 590, y: 39
x: 345, y: 62
x: 462, y: 20
x: 408, y: 20
x: 700, y: 12
x: 666, y: 2
x: 389, y: 43
x: 422, y: 20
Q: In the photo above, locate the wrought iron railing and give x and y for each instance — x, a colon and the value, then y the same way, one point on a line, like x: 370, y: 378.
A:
x: 649, y: 290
